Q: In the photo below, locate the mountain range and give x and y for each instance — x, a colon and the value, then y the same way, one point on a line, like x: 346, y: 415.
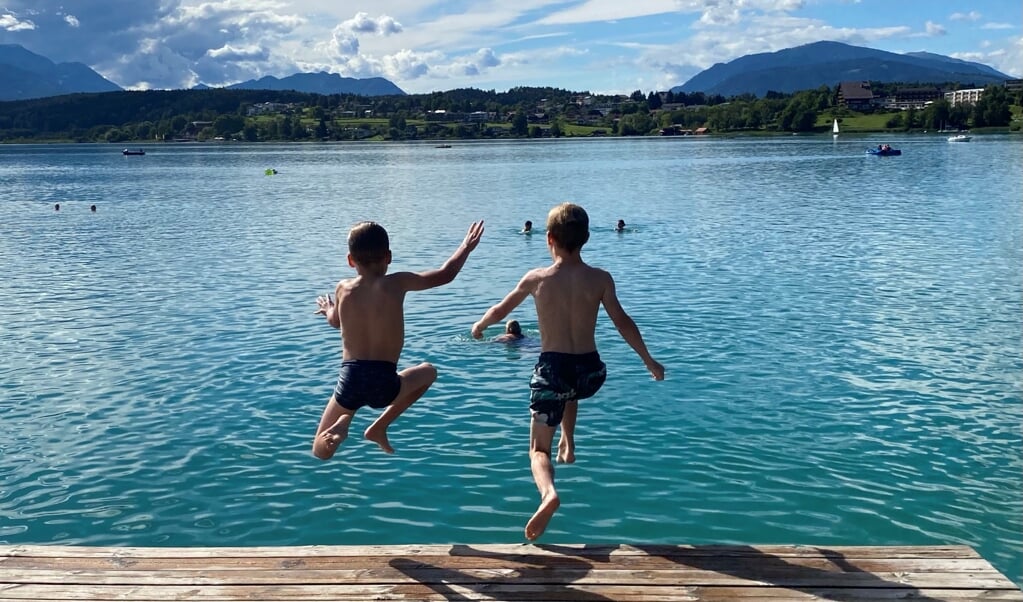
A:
x: 828, y: 63
x: 24, y: 75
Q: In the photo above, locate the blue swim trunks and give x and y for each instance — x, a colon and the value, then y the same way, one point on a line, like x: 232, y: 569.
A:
x: 561, y: 377
x: 370, y: 383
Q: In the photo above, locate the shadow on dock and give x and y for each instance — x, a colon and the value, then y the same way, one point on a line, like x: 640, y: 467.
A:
x: 550, y: 575
x: 754, y: 565
x: 556, y: 574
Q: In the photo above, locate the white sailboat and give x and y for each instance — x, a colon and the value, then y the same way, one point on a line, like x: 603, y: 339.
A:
x: 834, y: 129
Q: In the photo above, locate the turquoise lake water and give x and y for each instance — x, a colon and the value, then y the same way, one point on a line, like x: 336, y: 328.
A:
x: 842, y: 336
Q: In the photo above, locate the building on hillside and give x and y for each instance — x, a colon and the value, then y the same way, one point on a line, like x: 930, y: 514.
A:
x: 969, y: 96
x: 913, y: 98
x: 855, y: 95
x: 1014, y: 84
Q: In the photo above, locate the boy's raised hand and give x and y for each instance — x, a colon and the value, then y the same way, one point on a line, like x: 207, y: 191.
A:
x: 472, y: 237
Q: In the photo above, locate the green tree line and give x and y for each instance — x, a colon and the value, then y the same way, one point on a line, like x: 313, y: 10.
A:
x: 519, y: 112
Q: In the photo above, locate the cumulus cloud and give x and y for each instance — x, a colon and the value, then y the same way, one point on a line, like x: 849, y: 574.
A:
x: 970, y: 16
x: 407, y: 64
x: 71, y: 20
x: 343, y: 44
x: 363, y: 23
x: 11, y: 22
x: 228, y: 52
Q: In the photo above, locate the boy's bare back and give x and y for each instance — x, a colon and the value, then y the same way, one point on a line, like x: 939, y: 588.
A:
x: 372, y: 316
x: 567, y: 297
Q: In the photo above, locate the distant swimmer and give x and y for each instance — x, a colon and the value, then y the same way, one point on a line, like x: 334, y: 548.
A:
x: 621, y: 226
x: 56, y: 206
x: 527, y: 228
x: 92, y: 208
x: 368, y: 309
x: 512, y: 333
x: 270, y: 171
x: 568, y: 295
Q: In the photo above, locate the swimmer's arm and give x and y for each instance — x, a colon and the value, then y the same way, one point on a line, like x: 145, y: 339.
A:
x: 418, y: 281
x: 499, y: 312
x: 627, y: 328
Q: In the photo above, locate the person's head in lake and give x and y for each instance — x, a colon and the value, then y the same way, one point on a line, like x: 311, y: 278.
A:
x: 568, y: 227
x: 92, y: 208
x: 621, y: 225
x: 528, y: 226
x: 513, y: 328
x: 369, y: 248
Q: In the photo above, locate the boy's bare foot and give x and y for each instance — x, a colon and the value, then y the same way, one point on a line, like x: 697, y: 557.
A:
x: 379, y: 436
x: 538, y: 523
x: 328, y: 441
x: 566, y: 453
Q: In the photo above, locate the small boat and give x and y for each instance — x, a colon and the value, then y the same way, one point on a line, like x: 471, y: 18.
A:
x: 126, y: 152
x: 959, y: 138
x: 884, y: 152
x: 834, y: 129
x: 443, y: 146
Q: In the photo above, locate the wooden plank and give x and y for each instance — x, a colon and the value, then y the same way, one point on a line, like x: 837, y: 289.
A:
x: 579, y: 550
x: 530, y: 573
x: 752, y: 576
x: 505, y: 593
x: 517, y: 561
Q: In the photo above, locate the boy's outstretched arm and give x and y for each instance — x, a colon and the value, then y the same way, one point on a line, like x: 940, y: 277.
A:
x: 419, y: 281
x: 627, y: 328
x: 500, y: 311
x: 329, y: 309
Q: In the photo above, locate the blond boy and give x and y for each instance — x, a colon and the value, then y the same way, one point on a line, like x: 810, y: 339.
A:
x: 369, y: 311
x: 568, y: 294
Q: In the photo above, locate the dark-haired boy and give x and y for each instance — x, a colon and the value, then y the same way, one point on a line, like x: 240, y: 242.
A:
x: 369, y: 311
x: 568, y: 294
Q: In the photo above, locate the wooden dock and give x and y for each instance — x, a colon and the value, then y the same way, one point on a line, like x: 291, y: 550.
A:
x: 500, y: 572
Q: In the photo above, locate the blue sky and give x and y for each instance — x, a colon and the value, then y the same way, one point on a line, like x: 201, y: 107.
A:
x: 604, y: 46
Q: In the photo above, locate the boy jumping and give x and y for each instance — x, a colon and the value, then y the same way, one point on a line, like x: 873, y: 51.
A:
x: 369, y: 311
x: 568, y: 294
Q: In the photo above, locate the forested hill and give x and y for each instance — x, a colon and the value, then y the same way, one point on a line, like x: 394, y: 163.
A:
x: 73, y: 116
x: 828, y: 63
x: 83, y: 111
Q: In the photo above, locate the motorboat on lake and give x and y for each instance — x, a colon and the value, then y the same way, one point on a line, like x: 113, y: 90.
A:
x: 884, y: 150
x: 126, y: 152
x: 959, y: 138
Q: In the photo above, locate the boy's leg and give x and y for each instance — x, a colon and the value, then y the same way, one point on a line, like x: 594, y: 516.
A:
x: 566, y: 445
x: 414, y: 382
x: 333, y: 429
x: 540, y: 438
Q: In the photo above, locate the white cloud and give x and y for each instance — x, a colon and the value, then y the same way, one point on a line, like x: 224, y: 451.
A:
x: 228, y: 52
x: 934, y: 29
x: 608, y: 10
x: 11, y: 22
x: 363, y: 23
x: 970, y: 16
x: 998, y: 26
x: 407, y: 65
x: 343, y: 44
x: 71, y: 20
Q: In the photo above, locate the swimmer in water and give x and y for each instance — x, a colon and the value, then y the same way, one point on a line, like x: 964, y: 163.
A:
x: 512, y: 333
x: 527, y: 228
x: 621, y: 226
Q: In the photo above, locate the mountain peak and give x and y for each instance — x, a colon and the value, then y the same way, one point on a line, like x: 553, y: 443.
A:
x: 25, y: 74
x: 827, y: 63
